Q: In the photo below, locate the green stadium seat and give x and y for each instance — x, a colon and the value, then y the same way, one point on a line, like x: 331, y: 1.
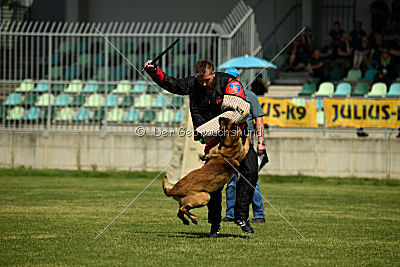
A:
x: 13, y: 99
x: 99, y: 60
x: 91, y: 87
x: 94, y: 101
x: 177, y: 102
x: 16, y: 114
x: 55, y: 59
x: 64, y: 47
x: 159, y: 102
x: 361, y: 89
x: 45, y: 114
x: 78, y: 101
x: 129, y: 48
x: 300, y: 101
x: 354, y: 75
x: 325, y: 89
x: 29, y: 100
x: 179, y: 116
x: 3, y: 113
x: 66, y: 114
x: 308, y: 89
x: 56, y: 72
x: 132, y: 115
x: 102, y: 88
x: 178, y: 61
x: 157, y: 48
x: 111, y: 101
x: 170, y: 71
x: 127, y: 101
x: 42, y: 86
x: 148, y: 116
x: 378, y: 90
x: 144, y: 101
x: 98, y: 115
x: 115, y: 115
x: 82, y: 114
x: 153, y: 89
x: 343, y: 89
x: 123, y: 87
x: 27, y: 85
x: 45, y: 100
x: 83, y: 60
x: 72, y: 72
x: 75, y: 87
x: 81, y: 47
x: 394, y: 90
x: 57, y: 88
x: 101, y: 74
x: 165, y: 116
x: 336, y: 74
x: 131, y: 58
x: 119, y: 73
x: 33, y: 114
x: 320, y: 117
x: 62, y: 100
x: 369, y: 75
x: 139, y: 87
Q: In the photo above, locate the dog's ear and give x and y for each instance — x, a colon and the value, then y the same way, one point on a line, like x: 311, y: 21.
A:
x: 222, y: 121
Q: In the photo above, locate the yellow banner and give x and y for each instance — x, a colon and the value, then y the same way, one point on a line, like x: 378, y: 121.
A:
x: 283, y: 112
x: 362, y: 112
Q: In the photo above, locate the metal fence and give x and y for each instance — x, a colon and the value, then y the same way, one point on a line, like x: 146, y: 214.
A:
x: 66, y: 76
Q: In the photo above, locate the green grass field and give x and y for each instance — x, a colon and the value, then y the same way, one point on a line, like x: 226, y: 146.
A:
x: 51, y: 217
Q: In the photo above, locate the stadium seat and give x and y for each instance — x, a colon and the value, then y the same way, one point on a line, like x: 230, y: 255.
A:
x: 94, y: 101
x: 82, y: 114
x: 336, y: 74
x: 33, y: 114
x: 72, y: 72
x: 98, y: 115
x: 170, y: 71
x: 78, y: 101
x: 45, y: 113
x: 342, y: 89
x: 115, y: 115
x: 111, y: 101
x: 64, y: 47
x: 29, y: 100
x: 153, y: 89
x: 62, y: 100
x: 325, y: 89
x: 81, y: 47
x: 55, y: 59
x: 119, y: 73
x: 308, y: 89
x: 99, y: 60
x: 177, y: 102
x: 157, y: 48
x: 178, y: 61
x: 3, y: 113
x: 369, y: 75
x: 132, y: 115
x: 27, y: 85
x: 90, y: 87
x: 148, y: 116
x: 45, y: 100
x: 165, y: 116
x: 300, y: 101
x: 320, y: 117
x: 56, y: 72
x: 123, y: 87
x: 16, y: 114
x: 361, y: 89
x: 42, y: 86
x: 101, y: 74
x: 378, y: 90
x: 354, y: 75
x: 102, y: 88
x: 57, y: 88
x: 66, y: 114
x: 131, y: 58
x: 75, y: 87
x: 127, y: 101
x: 83, y: 60
x: 159, y: 102
x: 394, y: 90
x: 179, y: 116
x: 129, y: 47
x: 144, y: 101
x: 13, y: 99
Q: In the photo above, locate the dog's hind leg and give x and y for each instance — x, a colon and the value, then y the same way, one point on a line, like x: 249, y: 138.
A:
x: 181, y: 216
x: 196, y: 200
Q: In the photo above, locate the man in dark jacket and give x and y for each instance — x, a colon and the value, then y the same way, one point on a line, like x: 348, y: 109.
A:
x: 208, y: 91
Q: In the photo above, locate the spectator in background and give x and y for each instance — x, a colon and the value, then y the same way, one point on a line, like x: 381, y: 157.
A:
x: 258, y: 86
x: 394, y: 52
x: 316, y: 67
x: 386, y: 72
x: 396, y: 11
x: 362, y: 55
x: 357, y: 34
x: 336, y: 33
x: 328, y: 52
x: 379, y: 13
x: 299, y: 55
x: 392, y: 34
x: 376, y: 51
x: 309, y: 40
x: 344, y: 52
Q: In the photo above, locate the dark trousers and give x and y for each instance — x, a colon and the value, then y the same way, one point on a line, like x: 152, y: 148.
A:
x: 244, y: 192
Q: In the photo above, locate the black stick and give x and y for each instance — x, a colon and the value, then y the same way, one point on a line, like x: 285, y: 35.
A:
x: 163, y: 52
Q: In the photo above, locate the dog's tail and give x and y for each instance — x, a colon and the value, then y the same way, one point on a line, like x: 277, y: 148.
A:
x: 167, y: 187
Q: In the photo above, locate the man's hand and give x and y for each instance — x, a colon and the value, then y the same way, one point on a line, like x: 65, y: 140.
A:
x: 149, y: 66
x: 260, y: 149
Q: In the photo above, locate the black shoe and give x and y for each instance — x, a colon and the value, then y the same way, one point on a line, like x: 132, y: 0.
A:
x: 246, y: 227
x: 214, y: 232
x: 362, y: 134
x: 228, y: 219
x: 258, y: 220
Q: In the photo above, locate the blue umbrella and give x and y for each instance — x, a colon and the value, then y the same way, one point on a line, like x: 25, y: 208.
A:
x: 247, y: 62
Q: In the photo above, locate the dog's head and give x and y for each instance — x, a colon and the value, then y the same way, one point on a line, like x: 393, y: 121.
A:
x: 229, y: 132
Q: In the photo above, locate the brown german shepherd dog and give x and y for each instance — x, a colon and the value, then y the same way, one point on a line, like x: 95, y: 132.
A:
x: 192, y: 191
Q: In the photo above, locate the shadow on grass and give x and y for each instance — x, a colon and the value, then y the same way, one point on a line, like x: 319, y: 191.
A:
x: 199, y: 235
